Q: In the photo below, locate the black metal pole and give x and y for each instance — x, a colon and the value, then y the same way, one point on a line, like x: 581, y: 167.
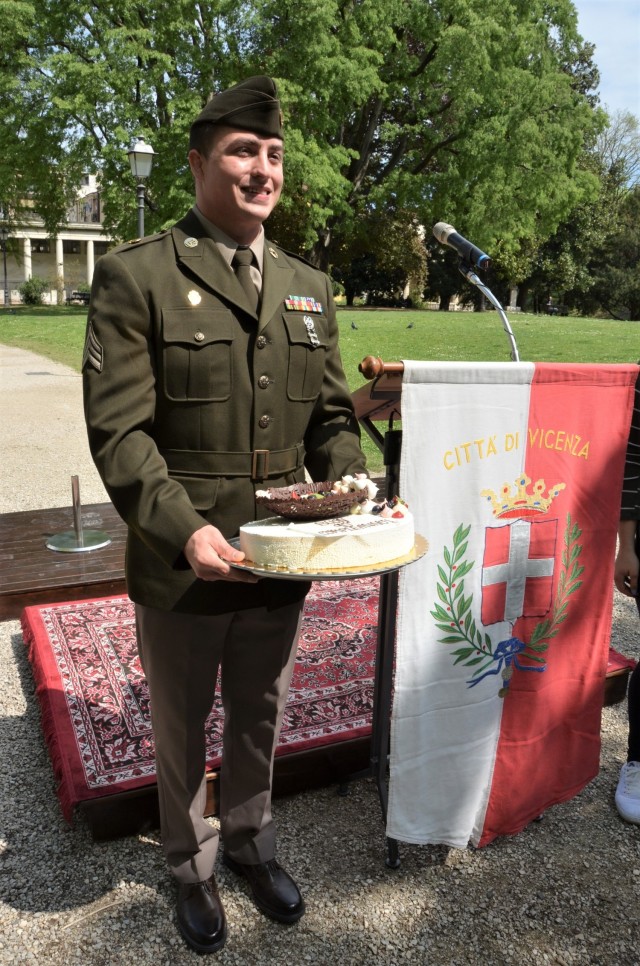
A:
x: 140, y: 190
x: 385, y: 651
x: 382, y: 700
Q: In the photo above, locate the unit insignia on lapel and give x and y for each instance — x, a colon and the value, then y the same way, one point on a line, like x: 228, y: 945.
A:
x: 191, y: 243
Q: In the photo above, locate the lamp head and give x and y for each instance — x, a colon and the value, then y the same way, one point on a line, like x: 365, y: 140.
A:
x: 141, y: 159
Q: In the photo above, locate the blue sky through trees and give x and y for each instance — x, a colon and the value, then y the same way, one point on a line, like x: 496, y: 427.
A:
x: 614, y: 27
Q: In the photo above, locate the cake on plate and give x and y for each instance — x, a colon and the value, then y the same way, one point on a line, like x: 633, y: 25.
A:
x: 312, y: 535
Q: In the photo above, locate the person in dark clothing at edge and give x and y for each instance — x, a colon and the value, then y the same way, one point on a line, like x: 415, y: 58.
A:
x: 626, y: 577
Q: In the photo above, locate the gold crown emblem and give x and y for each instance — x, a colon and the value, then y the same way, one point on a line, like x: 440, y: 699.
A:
x: 523, y: 502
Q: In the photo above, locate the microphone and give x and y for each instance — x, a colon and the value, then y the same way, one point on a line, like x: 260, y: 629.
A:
x: 447, y: 235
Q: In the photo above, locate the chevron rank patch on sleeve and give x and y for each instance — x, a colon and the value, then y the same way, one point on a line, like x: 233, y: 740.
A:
x: 93, y: 352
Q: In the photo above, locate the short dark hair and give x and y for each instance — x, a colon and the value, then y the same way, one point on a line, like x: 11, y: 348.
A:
x: 201, y: 138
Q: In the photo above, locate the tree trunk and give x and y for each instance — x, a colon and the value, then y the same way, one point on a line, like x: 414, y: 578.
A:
x: 319, y: 253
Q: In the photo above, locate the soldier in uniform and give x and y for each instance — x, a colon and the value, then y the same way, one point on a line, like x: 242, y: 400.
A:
x: 212, y: 369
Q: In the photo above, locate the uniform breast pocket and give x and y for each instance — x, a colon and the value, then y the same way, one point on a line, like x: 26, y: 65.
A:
x: 197, y: 354
x: 308, y: 343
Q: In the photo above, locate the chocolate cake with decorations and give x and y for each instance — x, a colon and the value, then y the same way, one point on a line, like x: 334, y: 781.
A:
x: 328, y: 527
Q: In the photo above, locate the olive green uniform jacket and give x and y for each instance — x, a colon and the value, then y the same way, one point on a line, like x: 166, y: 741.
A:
x: 192, y: 403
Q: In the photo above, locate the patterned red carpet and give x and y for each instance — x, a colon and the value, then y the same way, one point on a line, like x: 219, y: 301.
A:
x: 95, y: 704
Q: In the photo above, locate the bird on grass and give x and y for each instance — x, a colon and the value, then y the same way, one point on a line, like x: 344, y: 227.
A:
x: 353, y: 325
x: 410, y: 326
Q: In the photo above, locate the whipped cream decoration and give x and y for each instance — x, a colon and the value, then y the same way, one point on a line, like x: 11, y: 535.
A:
x: 356, y: 484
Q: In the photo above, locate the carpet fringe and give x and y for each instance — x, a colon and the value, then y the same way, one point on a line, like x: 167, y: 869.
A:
x: 48, y: 721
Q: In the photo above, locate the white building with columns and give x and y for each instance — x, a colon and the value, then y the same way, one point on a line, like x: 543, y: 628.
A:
x: 66, y: 262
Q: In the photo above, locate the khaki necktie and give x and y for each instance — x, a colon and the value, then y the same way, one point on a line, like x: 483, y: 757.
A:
x: 242, y: 262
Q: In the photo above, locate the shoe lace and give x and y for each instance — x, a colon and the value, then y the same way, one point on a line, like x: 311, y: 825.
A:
x: 209, y: 886
x: 632, y: 778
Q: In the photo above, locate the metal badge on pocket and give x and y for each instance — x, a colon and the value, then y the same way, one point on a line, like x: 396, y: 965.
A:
x: 311, y: 330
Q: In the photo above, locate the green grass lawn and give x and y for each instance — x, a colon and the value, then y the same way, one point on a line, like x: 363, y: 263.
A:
x: 58, y: 333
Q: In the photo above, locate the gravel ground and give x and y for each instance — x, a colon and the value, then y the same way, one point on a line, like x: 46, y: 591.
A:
x: 564, y: 891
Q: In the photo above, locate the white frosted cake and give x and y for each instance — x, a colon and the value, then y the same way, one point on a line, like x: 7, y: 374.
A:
x: 367, y: 537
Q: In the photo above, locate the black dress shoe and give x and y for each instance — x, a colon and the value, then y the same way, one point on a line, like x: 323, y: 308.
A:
x: 201, y: 918
x: 274, y: 891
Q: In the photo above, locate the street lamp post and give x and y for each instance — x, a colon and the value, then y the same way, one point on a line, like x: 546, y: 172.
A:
x: 4, y: 235
x: 141, y: 160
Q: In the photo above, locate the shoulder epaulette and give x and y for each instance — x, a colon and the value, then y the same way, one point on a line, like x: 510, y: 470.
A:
x: 136, y: 242
x: 295, y: 255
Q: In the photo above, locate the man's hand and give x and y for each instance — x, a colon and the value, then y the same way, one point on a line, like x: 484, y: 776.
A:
x: 207, y: 552
x: 627, y: 565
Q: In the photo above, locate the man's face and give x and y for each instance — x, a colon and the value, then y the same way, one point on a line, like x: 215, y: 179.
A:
x: 238, y: 185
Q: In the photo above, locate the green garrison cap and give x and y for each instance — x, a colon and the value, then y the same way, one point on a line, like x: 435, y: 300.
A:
x: 251, y: 105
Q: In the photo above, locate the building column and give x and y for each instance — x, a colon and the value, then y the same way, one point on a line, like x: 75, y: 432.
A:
x: 60, y: 270
x: 26, y: 254
x: 59, y: 259
x: 90, y: 260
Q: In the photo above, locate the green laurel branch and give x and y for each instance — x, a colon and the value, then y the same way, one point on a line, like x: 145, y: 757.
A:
x: 453, y: 614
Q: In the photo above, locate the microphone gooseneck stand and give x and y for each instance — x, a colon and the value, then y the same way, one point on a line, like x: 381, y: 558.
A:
x: 467, y: 270
x: 471, y: 256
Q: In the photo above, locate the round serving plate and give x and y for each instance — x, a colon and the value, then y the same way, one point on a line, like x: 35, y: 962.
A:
x: 420, y: 547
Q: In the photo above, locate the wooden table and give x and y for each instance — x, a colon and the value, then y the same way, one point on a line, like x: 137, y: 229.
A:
x: 30, y: 573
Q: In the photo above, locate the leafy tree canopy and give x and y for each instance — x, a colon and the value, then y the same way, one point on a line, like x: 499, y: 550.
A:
x: 454, y: 110
x: 575, y: 263
x: 614, y: 264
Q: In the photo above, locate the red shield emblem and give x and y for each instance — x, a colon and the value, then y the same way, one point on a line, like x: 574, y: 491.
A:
x: 517, y: 570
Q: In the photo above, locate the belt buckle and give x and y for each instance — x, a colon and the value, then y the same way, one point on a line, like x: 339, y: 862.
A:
x: 259, y: 464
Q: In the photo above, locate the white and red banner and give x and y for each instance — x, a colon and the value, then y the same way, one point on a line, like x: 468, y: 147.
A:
x: 514, y: 473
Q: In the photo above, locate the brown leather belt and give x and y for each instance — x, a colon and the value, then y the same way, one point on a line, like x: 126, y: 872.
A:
x: 258, y: 465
